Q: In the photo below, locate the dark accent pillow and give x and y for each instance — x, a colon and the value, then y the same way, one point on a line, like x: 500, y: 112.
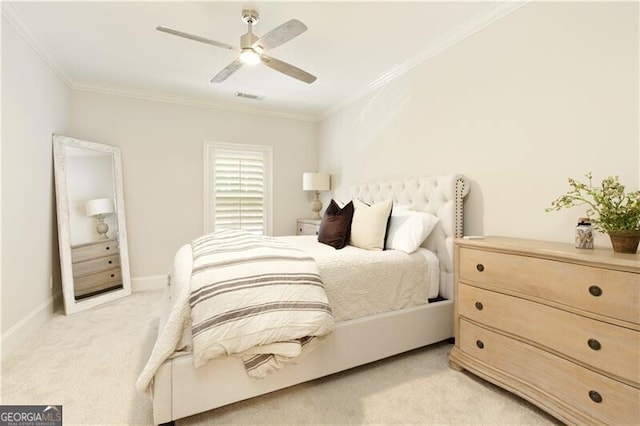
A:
x: 386, y: 231
x: 335, y: 227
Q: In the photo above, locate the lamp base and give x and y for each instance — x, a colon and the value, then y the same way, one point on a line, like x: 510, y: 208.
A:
x: 102, y: 228
x: 316, y: 206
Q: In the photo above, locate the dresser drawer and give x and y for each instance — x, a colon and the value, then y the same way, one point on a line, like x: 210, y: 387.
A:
x: 96, y: 265
x: 565, y: 382
x: 307, y: 229
x: 607, y: 347
x: 598, y: 290
x: 93, y: 251
x: 106, y: 278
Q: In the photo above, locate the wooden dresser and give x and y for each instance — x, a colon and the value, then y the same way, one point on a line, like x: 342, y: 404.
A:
x: 556, y: 325
x: 96, y: 267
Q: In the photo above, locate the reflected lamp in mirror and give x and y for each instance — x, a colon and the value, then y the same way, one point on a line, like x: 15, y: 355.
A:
x: 100, y: 207
x: 316, y: 182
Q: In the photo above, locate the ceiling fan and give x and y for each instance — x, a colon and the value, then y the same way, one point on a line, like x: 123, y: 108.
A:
x: 252, y: 48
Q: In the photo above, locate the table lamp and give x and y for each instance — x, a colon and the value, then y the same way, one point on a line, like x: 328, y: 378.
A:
x: 100, y: 207
x: 316, y: 182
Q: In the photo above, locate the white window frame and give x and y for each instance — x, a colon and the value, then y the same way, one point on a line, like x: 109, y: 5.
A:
x: 209, y: 201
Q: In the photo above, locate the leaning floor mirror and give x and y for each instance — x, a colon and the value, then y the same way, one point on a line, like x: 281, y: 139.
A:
x: 92, y: 235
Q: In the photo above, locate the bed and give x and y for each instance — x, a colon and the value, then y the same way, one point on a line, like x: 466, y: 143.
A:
x: 179, y: 389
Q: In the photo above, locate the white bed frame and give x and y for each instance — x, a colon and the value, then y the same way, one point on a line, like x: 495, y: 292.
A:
x: 180, y: 390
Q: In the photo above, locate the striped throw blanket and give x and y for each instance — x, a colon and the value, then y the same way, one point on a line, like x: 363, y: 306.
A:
x: 254, y: 297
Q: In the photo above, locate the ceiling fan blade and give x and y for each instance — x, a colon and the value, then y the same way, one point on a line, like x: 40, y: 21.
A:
x: 287, y: 69
x: 227, y: 71
x: 194, y: 37
x: 281, y: 34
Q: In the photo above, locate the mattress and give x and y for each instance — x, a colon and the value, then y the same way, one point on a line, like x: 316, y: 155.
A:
x: 361, y: 282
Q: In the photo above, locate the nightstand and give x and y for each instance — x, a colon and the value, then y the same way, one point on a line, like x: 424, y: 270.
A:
x: 96, y: 267
x: 308, y: 226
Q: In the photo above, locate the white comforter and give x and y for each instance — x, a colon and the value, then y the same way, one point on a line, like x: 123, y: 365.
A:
x: 364, y: 282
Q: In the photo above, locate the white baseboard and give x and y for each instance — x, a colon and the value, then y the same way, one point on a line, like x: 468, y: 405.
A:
x: 24, y: 328
x: 156, y: 282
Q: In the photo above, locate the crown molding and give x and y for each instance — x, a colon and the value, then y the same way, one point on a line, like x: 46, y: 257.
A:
x: 181, y: 100
x: 29, y: 35
x: 448, y: 40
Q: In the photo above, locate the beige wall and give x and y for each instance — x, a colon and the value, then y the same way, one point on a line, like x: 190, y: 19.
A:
x: 549, y: 91
x: 162, y: 148
x: 35, y: 104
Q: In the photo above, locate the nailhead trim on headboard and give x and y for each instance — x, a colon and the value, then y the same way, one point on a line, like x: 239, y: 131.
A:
x: 460, y: 192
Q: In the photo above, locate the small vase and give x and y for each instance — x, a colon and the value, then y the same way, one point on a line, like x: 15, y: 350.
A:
x: 625, y: 241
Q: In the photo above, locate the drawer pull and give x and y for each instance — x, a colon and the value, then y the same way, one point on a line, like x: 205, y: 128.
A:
x: 595, y: 396
x: 594, y: 344
x: 595, y: 290
x: 110, y: 262
x: 480, y: 267
x: 107, y: 248
x: 479, y: 306
x: 113, y: 275
x: 480, y: 344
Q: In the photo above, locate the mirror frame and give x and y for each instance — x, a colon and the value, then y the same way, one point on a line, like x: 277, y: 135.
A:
x: 72, y: 305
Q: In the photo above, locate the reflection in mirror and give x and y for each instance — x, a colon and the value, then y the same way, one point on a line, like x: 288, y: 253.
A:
x: 91, y: 222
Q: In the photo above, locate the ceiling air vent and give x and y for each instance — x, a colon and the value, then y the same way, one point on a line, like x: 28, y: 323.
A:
x: 249, y: 96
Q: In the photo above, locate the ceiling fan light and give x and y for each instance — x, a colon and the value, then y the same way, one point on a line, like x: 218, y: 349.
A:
x: 249, y: 56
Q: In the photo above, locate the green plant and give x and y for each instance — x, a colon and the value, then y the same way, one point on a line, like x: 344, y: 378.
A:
x: 609, y: 207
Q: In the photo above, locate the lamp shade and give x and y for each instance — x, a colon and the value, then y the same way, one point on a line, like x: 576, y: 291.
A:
x: 99, y: 206
x: 316, y: 181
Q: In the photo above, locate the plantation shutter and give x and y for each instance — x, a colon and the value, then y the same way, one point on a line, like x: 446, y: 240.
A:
x: 239, y: 190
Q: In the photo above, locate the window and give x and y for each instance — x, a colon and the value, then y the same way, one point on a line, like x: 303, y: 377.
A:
x: 237, y: 187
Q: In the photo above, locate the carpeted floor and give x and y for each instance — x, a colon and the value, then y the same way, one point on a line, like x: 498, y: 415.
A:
x: 88, y: 363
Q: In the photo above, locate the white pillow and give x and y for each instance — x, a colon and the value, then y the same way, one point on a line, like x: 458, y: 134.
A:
x: 369, y: 224
x: 408, y: 229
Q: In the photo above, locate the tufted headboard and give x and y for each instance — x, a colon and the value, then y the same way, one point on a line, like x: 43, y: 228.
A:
x: 438, y: 195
